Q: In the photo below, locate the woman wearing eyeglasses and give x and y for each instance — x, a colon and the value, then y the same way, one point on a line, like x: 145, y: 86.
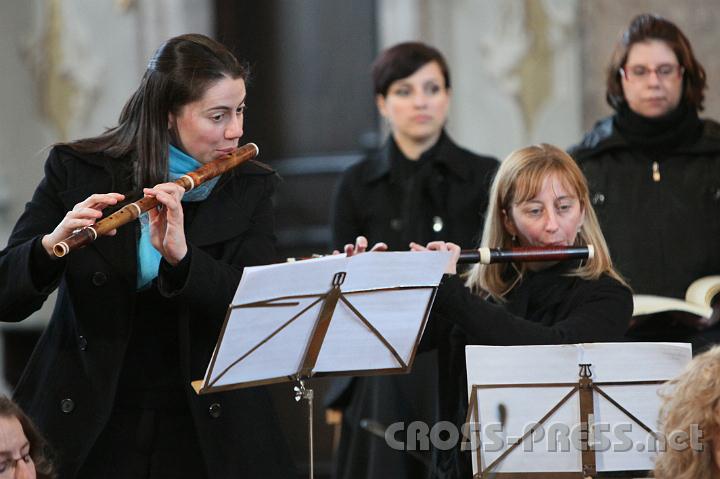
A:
x: 654, y: 172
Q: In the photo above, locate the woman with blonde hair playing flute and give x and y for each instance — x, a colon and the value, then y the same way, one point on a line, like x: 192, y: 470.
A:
x: 138, y: 314
x: 539, y: 198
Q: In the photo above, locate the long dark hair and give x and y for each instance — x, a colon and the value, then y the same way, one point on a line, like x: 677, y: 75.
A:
x: 648, y: 27
x: 39, y: 450
x: 180, y: 72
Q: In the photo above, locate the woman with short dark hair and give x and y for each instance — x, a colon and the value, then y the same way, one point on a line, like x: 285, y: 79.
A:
x: 654, y: 173
x: 419, y: 186
x: 648, y: 28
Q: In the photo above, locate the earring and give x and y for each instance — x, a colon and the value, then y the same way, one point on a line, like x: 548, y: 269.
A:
x: 513, y: 239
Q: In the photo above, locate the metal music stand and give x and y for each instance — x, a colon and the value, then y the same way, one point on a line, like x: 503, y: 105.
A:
x: 330, y: 316
x: 581, y: 400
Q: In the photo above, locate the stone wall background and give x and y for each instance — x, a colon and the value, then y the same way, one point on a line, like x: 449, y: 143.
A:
x: 68, y: 67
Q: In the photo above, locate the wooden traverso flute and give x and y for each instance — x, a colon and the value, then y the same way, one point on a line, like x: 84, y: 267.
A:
x: 486, y: 255
x: 132, y: 211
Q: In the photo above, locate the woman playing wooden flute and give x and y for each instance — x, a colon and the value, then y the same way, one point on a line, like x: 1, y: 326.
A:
x: 539, y: 197
x: 138, y: 314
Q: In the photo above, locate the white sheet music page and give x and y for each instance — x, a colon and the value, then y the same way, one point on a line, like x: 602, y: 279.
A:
x: 507, y: 413
x: 276, y: 306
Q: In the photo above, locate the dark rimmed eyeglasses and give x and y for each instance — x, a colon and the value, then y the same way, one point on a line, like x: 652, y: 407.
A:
x: 665, y: 71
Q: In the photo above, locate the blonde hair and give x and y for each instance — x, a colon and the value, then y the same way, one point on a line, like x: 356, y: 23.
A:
x: 520, y: 178
x: 691, y: 399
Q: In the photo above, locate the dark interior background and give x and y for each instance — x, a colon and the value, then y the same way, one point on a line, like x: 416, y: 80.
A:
x: 310, y: 102
x: 312, y: 113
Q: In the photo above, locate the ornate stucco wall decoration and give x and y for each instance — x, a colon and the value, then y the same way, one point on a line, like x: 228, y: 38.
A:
x: 516, y: 71
x: 66, y: 72
x: 519, y: 52
x: 125, y: 5
x: 534, y: 72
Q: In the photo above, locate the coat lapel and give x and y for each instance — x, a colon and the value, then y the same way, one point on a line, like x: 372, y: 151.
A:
x: 114, y: 249
x: 223, y: 215
x: 121, y: 251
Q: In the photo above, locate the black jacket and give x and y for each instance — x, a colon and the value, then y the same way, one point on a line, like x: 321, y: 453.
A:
x: 445, y: 199
x: 662, y: 234
x: 546, y: 307
x: 70, y: 382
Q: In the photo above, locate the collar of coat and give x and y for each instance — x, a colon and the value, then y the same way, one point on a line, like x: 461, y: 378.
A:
x: 604, y: 137
x: 444, y: 152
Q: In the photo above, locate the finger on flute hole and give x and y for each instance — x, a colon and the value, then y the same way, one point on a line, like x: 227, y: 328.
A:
x: 379, y: 247
x: 416, y: 247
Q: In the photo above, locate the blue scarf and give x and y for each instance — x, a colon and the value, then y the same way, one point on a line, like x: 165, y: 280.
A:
x: 147, y: 256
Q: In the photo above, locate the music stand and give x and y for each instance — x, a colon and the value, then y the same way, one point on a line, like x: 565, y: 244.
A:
x: 592, y: 394
x: 337, y: 315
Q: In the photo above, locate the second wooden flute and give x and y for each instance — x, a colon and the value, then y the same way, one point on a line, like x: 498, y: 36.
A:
x: 132, y: 211
x: 486, y: 255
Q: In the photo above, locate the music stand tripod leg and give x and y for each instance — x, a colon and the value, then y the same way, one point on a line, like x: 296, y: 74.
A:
x: 301, y: 392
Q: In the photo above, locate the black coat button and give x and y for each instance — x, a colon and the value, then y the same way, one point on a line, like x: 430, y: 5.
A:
x: 67, y: 405
x: 82, y: 343
x: 215, y: 410
x: 99, y: 278
x: 396, y: 224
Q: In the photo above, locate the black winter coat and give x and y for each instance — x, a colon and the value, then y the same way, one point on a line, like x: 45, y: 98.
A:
x: 70, y: 382
x: 662, y: 234
x: 445, y: 199
x: 546, y: 307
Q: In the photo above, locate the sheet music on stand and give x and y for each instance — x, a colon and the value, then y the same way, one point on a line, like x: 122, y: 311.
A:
x: 335, y: 315
x: 529, y: 407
